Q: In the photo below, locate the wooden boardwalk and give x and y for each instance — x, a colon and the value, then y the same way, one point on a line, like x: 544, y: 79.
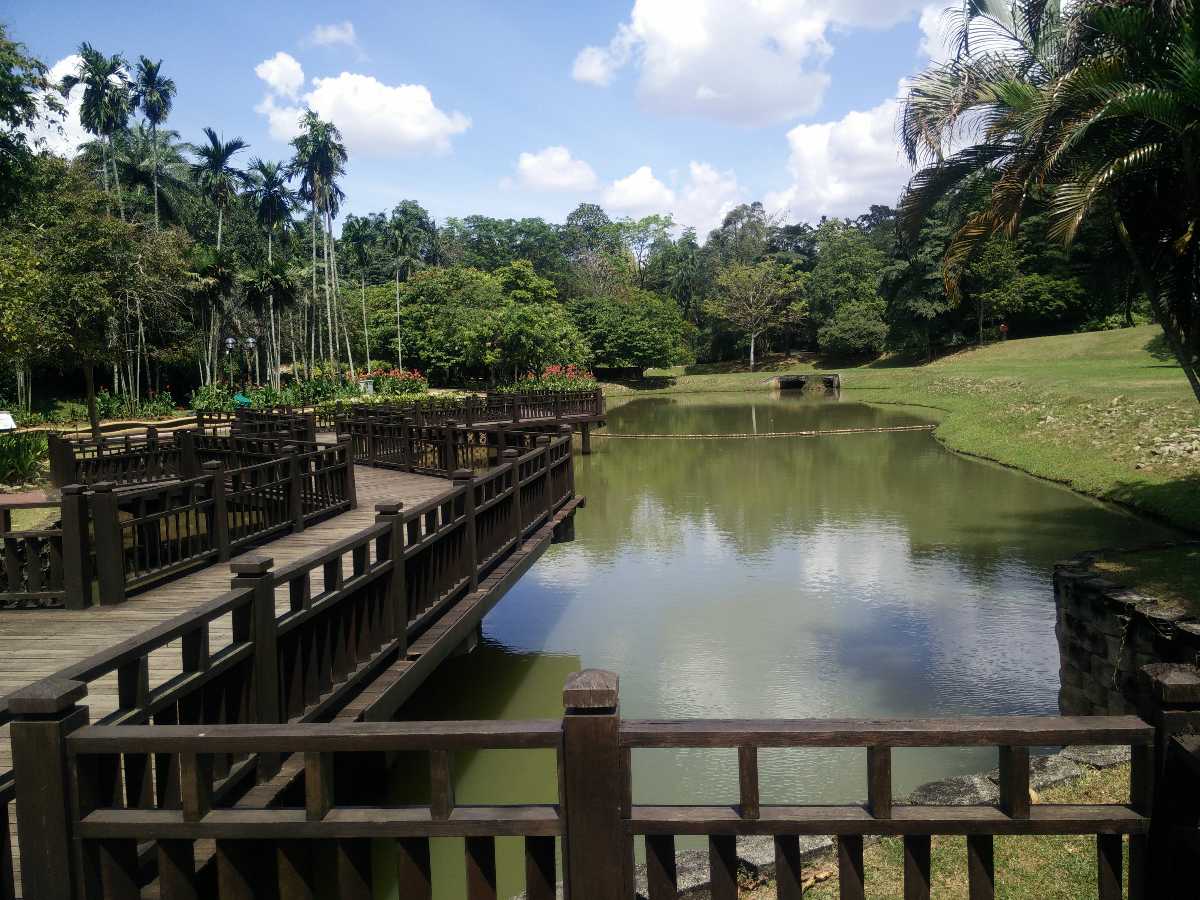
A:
x: 37, y: 643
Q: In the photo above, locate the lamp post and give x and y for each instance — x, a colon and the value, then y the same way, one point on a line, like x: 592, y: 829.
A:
x: 250, y: 344
x: 230, y: 343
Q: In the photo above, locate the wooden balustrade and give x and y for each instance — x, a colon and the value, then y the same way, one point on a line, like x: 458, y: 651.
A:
x: 130, y: 829
x: 31, y: 563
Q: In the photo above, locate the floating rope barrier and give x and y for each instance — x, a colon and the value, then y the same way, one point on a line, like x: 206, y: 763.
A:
x: 767, y: 434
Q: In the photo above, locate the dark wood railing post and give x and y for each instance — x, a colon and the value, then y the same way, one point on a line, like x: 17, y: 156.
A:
x: 396, y: 606
x: 465, y: 479
x: 1165, y: 783
x: 77, y: 555
x: 448, y: 464
x: 189, y: 463
x: 597, y: 853
x: 44, y: 714
x: 62, y: 460
x: 511, y: 456
x: 346, y: 446
x: 543, y: 443
x: 154, y: 466
x: 557, y: 406
x: 569, y: 433
x: 295, y: 497
x: 406, y: 427
x: 372, y: 448
x: 219, y: 520
x: 254, y: 571
x: 109, y: 544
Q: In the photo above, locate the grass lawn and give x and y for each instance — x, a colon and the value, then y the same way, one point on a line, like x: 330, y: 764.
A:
x: 1027, y: 868
x: 1107, y: 413
x: 1171, y: 575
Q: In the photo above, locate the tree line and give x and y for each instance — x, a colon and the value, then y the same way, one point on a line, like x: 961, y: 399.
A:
x: 156, y: 261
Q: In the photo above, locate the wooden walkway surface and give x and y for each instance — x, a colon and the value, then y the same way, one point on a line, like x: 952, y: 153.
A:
x: 37, y: 643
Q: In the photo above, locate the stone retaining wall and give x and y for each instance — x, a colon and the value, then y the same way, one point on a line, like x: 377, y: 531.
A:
x: 1106, y: 633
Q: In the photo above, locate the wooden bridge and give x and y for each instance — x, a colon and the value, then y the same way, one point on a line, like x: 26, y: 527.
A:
x: 341, y: 620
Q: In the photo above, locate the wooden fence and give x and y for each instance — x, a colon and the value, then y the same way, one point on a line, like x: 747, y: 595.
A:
x: 116, y: 539
x: 106, y: 827
x: 31, y: 562
x: 287, y: 645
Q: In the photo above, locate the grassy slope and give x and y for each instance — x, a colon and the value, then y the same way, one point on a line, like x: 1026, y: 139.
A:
x: 1082, y: 409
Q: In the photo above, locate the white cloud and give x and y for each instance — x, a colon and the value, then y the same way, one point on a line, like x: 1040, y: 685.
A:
x: 376, y: 119
x: 554, y: 169
x: 749, y: 63
x: 380, y: 119
x: 840, y: 168
x: 639, y: 193
x: 337, y: 33
x: 282, y: 73
x: 283, y: 122
x: 706, y: 197
x: 62, y: 135
x: 700, y: 202
x: 935, y: 32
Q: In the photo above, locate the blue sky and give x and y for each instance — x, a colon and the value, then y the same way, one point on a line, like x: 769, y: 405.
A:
x: 528, y: 108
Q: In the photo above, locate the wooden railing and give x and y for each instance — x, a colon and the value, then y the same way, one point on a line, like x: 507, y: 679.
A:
x: 144, y: 536
x: 287, y: 645
x: 31, y: 563
x: 528, y: 407
x: 121, y: 814
x: 398, y: 442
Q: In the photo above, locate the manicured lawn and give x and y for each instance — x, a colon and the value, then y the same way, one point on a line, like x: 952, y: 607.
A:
x: 1107, y: 413
x: 1027, y: 868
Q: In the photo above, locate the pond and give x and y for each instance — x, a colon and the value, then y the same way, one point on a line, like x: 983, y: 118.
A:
x: 852, y: 575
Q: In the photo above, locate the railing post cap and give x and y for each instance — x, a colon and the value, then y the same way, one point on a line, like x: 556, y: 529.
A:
x: 212, y: 464
x: 566, y: 429
x: 251, y: 564
x: 1173, y: 683
x: 591, y: 689
x: 74, y: 488
x: 46, y: 697
x: 511, y: 453
x: 543, y: 439
x: 391, y: 508
x: 104, y: 487
x: 462, y: 475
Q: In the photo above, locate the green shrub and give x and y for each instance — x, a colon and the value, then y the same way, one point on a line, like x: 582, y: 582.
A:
x: 553, y: 378
x: 21, y: 456
x: 216, y: 397
x: 397, y: 383
x: 856, y: 329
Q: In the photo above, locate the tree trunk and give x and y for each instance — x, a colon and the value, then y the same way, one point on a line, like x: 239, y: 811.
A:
x: 154, y: 141
x: 1174, y: 341
x: 399, y: 345
x: 753, y: 338
x: 116, y: 178
x: 366, y: 335
x: 220, y: 225
x: 89, y: 380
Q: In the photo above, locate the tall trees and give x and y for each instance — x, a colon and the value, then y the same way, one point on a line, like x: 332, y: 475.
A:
x: 408, y: 233
x: 107, y: 102
x: 23, y: 84
x: 153, y: 94
x: 320, y: 160
x: 219, y: 182
x: 273, y: 202
x: 756, y: 299
x: 1093, y: 114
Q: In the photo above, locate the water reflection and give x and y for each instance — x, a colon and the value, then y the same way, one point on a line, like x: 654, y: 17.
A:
x: 859, y: 575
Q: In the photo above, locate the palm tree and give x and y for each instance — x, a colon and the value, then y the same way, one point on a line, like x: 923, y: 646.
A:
x: 407, y: 235
x: 217, y: 179
x: 153, y: 166
x: 357, y: 232
x: 106, y: 102
x: 273, y: 202
x: 1095, y: 114
x: 153, y: 94
x: 320, y: 159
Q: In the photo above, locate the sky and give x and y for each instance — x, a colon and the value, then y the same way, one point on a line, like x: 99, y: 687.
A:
x: 522, y: 108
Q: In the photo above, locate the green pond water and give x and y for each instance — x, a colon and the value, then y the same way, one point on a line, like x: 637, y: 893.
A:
x: 858, y: 575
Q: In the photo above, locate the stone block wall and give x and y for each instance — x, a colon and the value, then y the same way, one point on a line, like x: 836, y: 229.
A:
x: 1106, y: 633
